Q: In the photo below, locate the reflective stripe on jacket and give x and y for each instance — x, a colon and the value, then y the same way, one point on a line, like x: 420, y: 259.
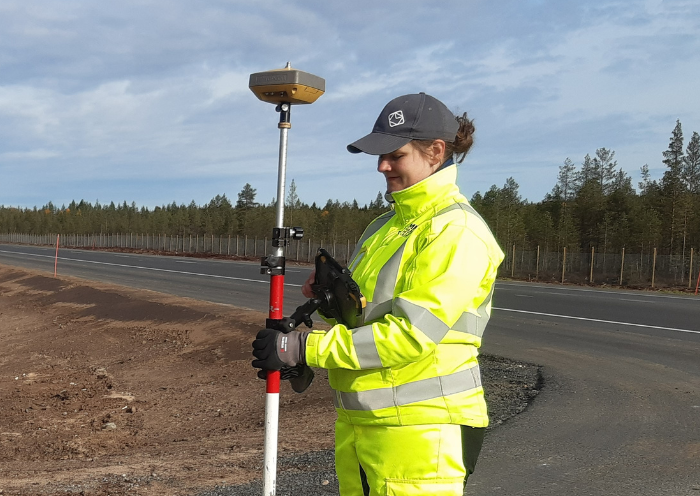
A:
x: 427, y: 270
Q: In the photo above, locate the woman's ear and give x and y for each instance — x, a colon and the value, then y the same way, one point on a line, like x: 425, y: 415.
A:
x: 437, y: 152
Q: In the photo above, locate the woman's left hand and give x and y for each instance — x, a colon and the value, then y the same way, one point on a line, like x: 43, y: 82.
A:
x: 306, y: 288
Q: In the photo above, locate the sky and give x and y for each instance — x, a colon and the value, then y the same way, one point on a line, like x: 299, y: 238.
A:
x: 148, y: 101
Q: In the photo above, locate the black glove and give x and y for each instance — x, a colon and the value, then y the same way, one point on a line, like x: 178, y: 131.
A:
x: 300, y: 376
x: 303, y: 380
x: 275, y: 349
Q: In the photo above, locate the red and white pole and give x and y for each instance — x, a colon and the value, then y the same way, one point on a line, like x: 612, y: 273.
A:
x: 272, y: 397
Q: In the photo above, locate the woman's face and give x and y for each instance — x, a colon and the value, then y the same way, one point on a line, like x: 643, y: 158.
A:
x: 406, y: 166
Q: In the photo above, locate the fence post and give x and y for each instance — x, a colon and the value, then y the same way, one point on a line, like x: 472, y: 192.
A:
x: 653, y: 269
x: 563, y: 266
x: 622, y: 265
x: 590, y: 277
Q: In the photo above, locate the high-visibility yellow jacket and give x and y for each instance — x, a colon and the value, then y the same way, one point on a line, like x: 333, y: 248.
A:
x: 427, y: 270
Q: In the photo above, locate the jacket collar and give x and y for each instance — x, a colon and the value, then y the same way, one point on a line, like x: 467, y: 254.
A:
x: 428, y: 194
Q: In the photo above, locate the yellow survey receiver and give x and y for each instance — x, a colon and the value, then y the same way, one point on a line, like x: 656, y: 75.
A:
x: 287, y: 86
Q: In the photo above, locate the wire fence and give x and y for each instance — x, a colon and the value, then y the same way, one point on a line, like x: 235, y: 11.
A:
x: 234, y: 246
x: 641, y: 270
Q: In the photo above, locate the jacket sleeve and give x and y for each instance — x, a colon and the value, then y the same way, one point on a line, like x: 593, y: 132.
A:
x: 452, y: 275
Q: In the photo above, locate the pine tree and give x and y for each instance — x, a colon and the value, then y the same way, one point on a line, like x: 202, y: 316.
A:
x: 586, y: 174
x: 246, y: 198
x: 604, y: 168
x: 293, y: 198
x: 672, y: 185
x: 673, y: 158
x: 691, y: 165
x: 566, y: 179
x: 378, y: 202
x: 646, y: 183
x: 589, y: 211
x: 292, y: 202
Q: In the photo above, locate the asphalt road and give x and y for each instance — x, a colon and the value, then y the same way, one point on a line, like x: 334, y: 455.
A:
x: 620, y: 410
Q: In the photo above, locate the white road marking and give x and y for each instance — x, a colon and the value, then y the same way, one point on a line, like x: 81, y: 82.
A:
x: 524, y: 296
x: 184, y: 261
x: 501, y: 284
x: 558, y: 291
x: 597, y: 320
x: 637, y: 301
x: 147, y: 268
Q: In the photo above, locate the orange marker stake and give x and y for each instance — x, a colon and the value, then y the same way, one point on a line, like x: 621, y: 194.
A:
x: 698, y: 284
x: 55, y: 264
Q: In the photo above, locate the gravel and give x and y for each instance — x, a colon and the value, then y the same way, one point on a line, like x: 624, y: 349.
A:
x: 510, y: 386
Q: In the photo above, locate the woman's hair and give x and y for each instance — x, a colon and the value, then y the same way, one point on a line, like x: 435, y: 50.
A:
x: 459, y: 147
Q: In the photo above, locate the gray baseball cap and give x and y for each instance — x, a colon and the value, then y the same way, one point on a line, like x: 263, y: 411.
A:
x: 406, y: 118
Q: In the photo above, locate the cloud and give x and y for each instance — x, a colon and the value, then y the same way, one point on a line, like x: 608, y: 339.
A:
x: 29, y: 155
x: 136, y: 96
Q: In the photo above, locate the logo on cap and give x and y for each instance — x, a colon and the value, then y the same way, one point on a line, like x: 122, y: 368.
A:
x: 396, y: 118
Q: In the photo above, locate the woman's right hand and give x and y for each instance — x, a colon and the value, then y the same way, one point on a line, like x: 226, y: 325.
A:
x: 306, y: 288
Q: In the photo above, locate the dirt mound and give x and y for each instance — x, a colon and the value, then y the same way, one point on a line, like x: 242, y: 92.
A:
x: 105, y: 388
x: 108, y: 390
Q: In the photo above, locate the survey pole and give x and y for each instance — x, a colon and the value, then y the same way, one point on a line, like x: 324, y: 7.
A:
x: 283, y: 87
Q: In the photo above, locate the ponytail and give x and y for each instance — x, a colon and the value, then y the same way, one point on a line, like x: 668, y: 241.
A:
x: 463, y: 140
x: 458, y: 148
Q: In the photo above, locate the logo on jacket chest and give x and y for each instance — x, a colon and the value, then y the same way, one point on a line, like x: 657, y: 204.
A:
x: 406, y: 231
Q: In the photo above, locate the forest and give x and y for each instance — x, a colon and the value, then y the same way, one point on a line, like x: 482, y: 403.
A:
x: 592, y: 206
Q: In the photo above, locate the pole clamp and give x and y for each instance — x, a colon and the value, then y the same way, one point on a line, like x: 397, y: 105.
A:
x: 285, y: 324
x: 284, y: 110
x: 282, y: 235
x: 272, y: 265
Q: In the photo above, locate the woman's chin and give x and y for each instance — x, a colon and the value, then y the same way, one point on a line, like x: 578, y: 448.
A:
x: 392, y: 186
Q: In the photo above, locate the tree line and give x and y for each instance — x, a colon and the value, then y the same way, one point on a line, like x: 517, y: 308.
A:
x: 592, y: 205
x: 219, y: 217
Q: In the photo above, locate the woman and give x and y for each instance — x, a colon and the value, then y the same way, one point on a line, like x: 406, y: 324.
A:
x: 411, y: 409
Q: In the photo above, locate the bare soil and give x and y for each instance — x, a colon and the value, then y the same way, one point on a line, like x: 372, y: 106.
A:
x: 109, y: 390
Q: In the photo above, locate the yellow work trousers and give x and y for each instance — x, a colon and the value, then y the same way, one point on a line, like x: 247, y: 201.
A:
x: 405, y: 460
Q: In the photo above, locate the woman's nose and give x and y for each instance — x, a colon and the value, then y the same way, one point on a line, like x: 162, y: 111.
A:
x: 383, y: 165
